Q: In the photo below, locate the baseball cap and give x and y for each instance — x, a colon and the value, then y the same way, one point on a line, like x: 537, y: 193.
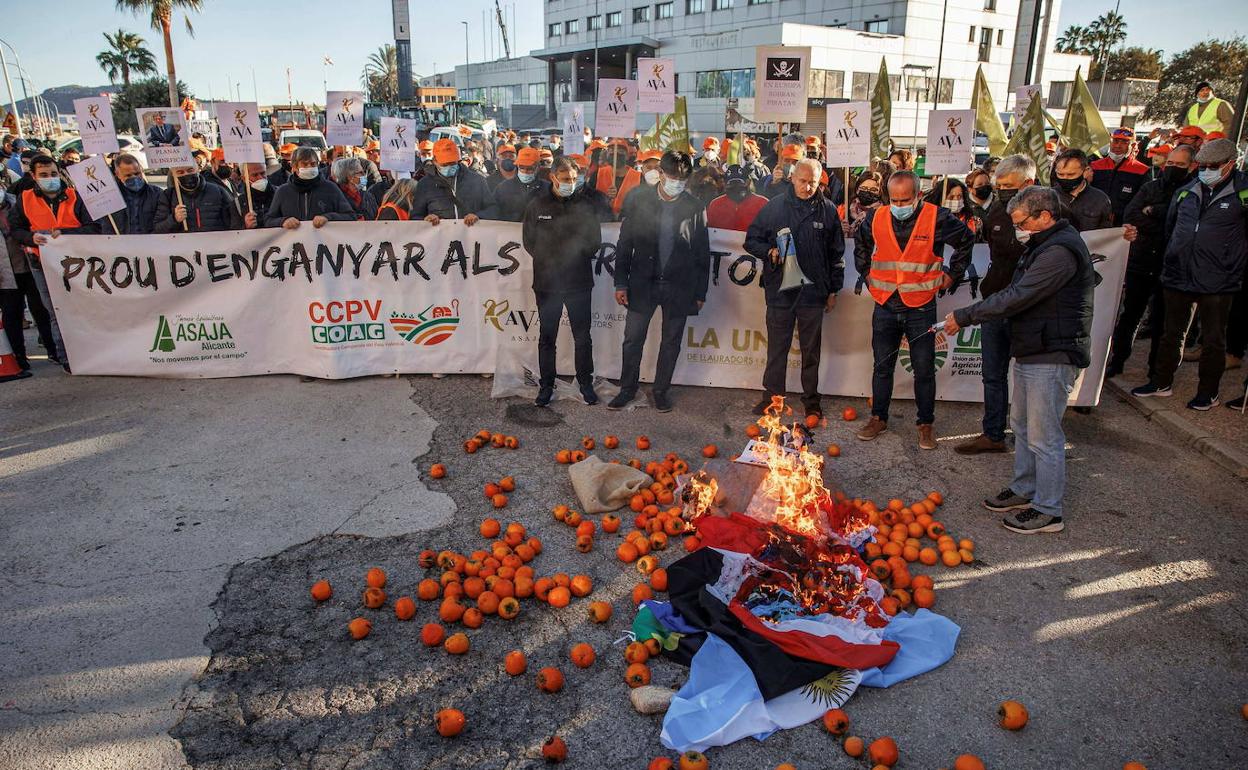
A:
x: 646, y: 155
x: 792, y: 152
x: 1191, y: 131
x: 506, y: 148
x: 1161, y: 149
x: 1122, y: 133
x: 445, y: 152
x: 528, y: 156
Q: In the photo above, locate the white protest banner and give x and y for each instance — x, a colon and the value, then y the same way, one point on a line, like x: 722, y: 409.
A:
x: 97, y: 186
x: 573, y: 128
x: 656, y: 85
x: 781, y: 74
x: 344, y: 118
x: 949, y: 145
x: 95, y: 125
x: 360, y: 298
x: 239, y: 123
x: 616, y: 111
x: 849, y: 134
x: 1022, y: 99
x: 398, y: 144
x: 164, y: 137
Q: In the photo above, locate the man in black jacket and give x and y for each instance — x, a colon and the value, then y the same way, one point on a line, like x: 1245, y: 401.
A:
x: 204, y: 206
x: 1206, y: 254
x: 1142, y: 287
x: 308, y: 196
x: 561, y: 232
x: 139, y: 215
x: 662, y: 260
x: 262, y: 193
x: 452, y: 190
x: 512, y: 195
x: 815, y: 265
x: 1091, y: 208
x: 1049, y: 307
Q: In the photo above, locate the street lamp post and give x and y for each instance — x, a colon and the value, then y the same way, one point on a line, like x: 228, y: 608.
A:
x: 927, y: 85
x: 467, y: 59
x: 17, y: 116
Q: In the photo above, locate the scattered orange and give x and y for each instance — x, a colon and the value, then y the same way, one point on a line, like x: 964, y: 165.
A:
x: 583, y: 655
x: 636, y: 652
x: 581, y: 586
x: 374, y: 598
x: 456, y: 644
x: 968, y: 762
x: 836, y: 721
x: 550, y: 680
x: 854, y: 746
x: 924, y: 597
x: 554, y: 749
x: 405, y: 608
x: 641, y: 592
x: 490, y: 528
x: 437, y: 471
x: 321, y: 590
x: 637, y: 675
x: 515, y: 663
x: 360, y: 628
x: 499, y: 500
x: 376, y: 578
x: 658, y: 579
x: 661, y: 763
x: 559, y: 596
x: 693, y: 760
x: 883, y: 751
x: 1012, y: 715
x: 611, y: 442
x: 849, y: 414
x: 473, y: 618
x: 643, y: 443
x: 834, y: 450
x: 450, y: 722
x: 508, y: 608
x: 950, y: 558
x: 1134, y: 766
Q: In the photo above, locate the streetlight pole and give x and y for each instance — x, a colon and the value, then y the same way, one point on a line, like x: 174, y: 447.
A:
x: 907, y: 69
x: 940, y: 54
x: 1104, y: 60
x: 467, y: 60
x: 17, y: 117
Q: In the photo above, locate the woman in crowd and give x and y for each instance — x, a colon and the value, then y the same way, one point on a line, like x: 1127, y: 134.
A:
x: 868, y: 189
x: 397, y: 205
x: 350, y: 176
x: 979, y: 189
x: 952, y: 194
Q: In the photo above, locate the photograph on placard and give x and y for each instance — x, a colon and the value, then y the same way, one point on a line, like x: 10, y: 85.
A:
x: 164, y: 130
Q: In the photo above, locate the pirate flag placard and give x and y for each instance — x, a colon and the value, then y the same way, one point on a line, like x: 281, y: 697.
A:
x: 398, y: 144
x: 616, y: 112
x: 849, y: 134
x: 656, y: 85
x: 949, y: 145
x: 781, y: 74
x: 97, y: 186
x: 239, y: 123
x: 344, y: 118
x: 95, y: 125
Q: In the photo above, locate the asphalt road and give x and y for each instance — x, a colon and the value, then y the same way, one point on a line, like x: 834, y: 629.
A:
x: 160, y: 536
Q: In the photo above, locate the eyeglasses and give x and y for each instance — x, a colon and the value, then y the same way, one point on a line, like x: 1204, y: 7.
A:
x: 1020, y: 222
x: 1210, y: 166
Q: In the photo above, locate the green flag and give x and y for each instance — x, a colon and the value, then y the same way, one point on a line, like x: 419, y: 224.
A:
x: 1028, y: 139
x: 881, y: 114
x: 1082, y: 127
x: 672, y: 131
x: 987, y: 121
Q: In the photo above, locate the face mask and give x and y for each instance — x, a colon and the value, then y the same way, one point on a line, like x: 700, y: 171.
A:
x: 1022, y: 236
x: 223, y: 172
x: 546, y: 164
x: 737, y: 192
x: 189, y: 182
x: 651, y: 176
x: 954, y: 205
x: 284, y: 164
x: 1208, y: 176
x: 309, y: 173
x: 53, y: 184
x: 711, y: 156
x: 867, y: 197
x: 1069, y: 185
x: 1004, y: 196
x: 527, y: 178
x: 135, y: 184
x: 566, y: 188
x: 1116, y: 156
x: 673, y: 187
x: 507, y: 164
x: 448, y: 171
x: 1205, y: 100
x: 983, y: 191
x: 260, y: 185
x: 902, y: 212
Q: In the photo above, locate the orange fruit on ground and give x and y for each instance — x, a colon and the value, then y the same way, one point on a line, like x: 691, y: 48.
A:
x: 359, y: 628
x: 901, y: 578
x: 456, y: 644
x: 599, y: 612
x: 921, y: 581
x: 951, y: 558
x: 374, y: 598
x: 643, y: 443
x: 499, y: 500
x: 785, y: 766
x: 473, y: 618
x: 437, y: 471
x: 581, y: 586
x: 966, y: 544
x: 550, y: 680
x: 610, y: 523
x: 321, y: 590
x: 636, y: 652
x: 491, y: 489
x: 966, y: 556
x: 1243, y: 711
x: 968, y: 762
x: 910, y: 553
x: 854, y: 746
x: 929, y: 556
x: 883, y: 751
x: 450, y: 722
x: 637, y: 675
x: 583, y: 655
x: 936, y: 497
x: 693, y: 760
x: 507, y: 483
x: 890, y: 605
x: 849, y: 414
x: 554, y: 749
x: 376, y: 578
x: 559, y: 596
x: 924, y: 597
x: 661, y: 763
x: 753, y: 431
x: 451, y: 611
x: 405, y: 608
x: 471, y: 446
x: 658, y: 579
x: 508, y: 608
x: 710, y: 450
x: 487, y: 602
x: 490, y: 528
x: 1012, y: 715
x: 515, y: 663
x: 834, y: 450
x: 812, y: 421
x: 428, y: 590
x: 895, y: 504
x: 611, y: 442
x: 1134, y: 766
x: 836, y: 721
x: 647, y: 564
x: 627, y: 552
x: 641, y: 592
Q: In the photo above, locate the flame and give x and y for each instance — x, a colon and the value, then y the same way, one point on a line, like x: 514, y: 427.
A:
x: 794, y: 478
x: 698, y: 495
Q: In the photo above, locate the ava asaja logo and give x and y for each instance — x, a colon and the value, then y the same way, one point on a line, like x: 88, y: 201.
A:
x: 502, y: 317
x: 211, y: 332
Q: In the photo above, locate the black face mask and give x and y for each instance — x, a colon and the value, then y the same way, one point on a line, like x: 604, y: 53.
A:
x: 1175, y: 175
x: 189, y: 183
x: 507, y: 164
x: 867, y: 197
x: 223, y: 172
x: 983, y: 191
x: 737, y: 192
x: 1068, y: 185
x: 285, y: 164
x: 1004, y: 196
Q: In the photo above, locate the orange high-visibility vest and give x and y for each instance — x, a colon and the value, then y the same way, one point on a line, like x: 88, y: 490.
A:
x: 631, y: 180
x: 915, y: 273
x: 39, y: 213
x: 403, y: 215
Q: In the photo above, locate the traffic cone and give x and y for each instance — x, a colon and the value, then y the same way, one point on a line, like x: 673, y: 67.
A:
x: 9, y: 370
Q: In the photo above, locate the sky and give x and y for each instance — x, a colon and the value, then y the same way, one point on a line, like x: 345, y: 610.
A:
x: 233, y: 37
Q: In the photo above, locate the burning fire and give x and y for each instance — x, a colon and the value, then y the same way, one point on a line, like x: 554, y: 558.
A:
x: 794, y: 475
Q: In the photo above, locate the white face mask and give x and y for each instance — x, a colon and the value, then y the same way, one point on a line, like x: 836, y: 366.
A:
x: 309, y: 172
x: 954, y: 205
x: 1116, y: 156
x: 673, y: 187
x: 1022, y: 236
x: 711, y: 156
x: 260, y: 185
x: 652, y: 176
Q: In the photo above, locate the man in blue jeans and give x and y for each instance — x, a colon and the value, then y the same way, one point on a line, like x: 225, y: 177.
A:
x: 903, y: 281
x: 1049, y: 308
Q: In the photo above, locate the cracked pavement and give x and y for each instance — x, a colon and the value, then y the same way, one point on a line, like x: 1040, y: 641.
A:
x: 161, y: 536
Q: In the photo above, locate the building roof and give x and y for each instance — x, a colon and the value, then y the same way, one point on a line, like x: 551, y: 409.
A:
x: 560, y: 52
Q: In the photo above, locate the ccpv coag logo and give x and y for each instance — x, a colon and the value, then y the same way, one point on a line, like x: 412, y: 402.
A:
x: 432, y: 326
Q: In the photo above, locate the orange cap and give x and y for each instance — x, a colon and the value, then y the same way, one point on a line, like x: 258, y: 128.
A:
x: 1215, y: 135
x: 287, y: 148
x: 1161, y: 149
x: 581, y: 161
x: 792, y: 152
x: 710, y: 143
x: 597, y: 144
x: 445, y: 152
x: 425, y: 145
x: 506, y: 148
x: 1050, y: 146
x: 645, y: 155
x: 1191, y: 131
x: 547, y: 155
x: 813, y: 140
x: 528, y: 156
x: 218, y: 154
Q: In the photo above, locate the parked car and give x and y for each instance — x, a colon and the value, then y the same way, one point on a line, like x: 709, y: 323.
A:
x: 127, y: 142
x: 303, y: 137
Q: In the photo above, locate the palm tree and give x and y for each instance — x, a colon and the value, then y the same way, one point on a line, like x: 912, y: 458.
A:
x: 161, y: 12
x: 1107, y: 31
x: 127, y: 54
x: 381, y: 75
x: 1074, y: 39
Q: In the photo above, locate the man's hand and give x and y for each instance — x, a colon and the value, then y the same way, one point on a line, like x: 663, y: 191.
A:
x: 179, y: 213
x: 778, y: 173
x: 471, y: 220
x: 951, y: 326
x: 621, y: 297
x: 946, y: 281
x: 319, y: 221
x: 433, y: 219
x: 831, y: 303
x: 774, y: 255
x: 41, y: 238
x: 1130, y: 232
x: 250, y: 221
x: 290, y: 223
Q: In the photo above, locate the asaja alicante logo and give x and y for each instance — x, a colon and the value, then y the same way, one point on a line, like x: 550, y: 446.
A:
x: 432, y: 326
x: 942, y: 352
x: 502, y: 317
x: 210, y: 331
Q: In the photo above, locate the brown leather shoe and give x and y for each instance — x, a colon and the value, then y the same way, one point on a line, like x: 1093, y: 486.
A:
x: 980, y: 445
x: 927, y: 438
x: 874, y: 427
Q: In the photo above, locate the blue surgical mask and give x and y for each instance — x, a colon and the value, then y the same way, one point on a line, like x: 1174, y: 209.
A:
x: 527, y: 178
x: 673, y: 187
x: 902, y: 212
x: 1208, y: 176
x: 507, y: 164
x: 53, y: 184
x: 448, y: 171
x: 135, y: 184
x: 566, y: 189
